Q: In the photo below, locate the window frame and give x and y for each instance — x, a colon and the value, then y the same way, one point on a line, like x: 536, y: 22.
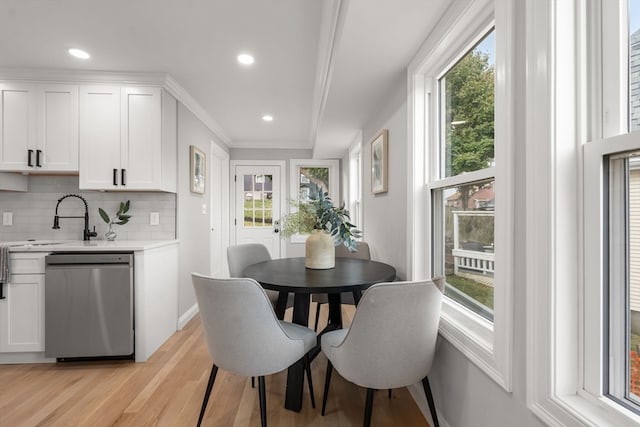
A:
x: 487, y: 345
x: 355, y: 180
x: 570, y: 110
x: 294, y: 184
x: 595, y: 154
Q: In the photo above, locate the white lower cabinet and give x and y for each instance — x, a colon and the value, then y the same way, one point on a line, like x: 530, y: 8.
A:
x: 22, y: 309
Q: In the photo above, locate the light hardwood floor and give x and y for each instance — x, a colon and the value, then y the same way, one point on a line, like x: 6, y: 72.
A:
x: 167, y: 390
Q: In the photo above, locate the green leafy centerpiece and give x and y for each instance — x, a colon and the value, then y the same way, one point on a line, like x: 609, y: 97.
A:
x: 120, y: 218
x: 327, y: 225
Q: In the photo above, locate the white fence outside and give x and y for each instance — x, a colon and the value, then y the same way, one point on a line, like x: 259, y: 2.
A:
x: 482, y: 262
x: 473, y: 260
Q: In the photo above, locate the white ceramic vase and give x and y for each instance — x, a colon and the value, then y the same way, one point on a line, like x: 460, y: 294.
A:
x: 320, y: 253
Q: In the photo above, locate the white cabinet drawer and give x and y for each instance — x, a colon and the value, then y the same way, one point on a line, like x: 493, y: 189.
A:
x: 27, y: 263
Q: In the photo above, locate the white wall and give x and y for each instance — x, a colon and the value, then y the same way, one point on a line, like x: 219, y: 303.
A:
x: 193, y: 225
x: 384, y: 215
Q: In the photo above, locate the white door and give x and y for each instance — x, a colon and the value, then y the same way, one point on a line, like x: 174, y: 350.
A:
x: 257, y: 206
x: 219, y: 173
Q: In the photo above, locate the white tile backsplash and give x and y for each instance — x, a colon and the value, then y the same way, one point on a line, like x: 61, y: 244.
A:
x: 34, y: 210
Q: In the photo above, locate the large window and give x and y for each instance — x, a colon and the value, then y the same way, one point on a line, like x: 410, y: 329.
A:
x: 461, y: 176
x: 463, y: 216
x: 620, y: 201
x: 585, y: 104
x: 620, y: 242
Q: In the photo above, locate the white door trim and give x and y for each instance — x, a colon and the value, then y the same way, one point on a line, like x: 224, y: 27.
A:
x: 283, y: 191
x: 225, y: 208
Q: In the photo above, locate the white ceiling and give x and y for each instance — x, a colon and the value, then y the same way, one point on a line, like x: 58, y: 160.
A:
x: 323, y: 67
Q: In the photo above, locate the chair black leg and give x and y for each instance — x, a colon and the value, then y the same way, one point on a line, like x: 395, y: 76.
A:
x: 307, y: 367
x: 207, y: 393
x: 253, y: 382
x: 263, y: 402
x: 432, y: 405
x: 389, y: 393
x: 327, y: 380
x: 315, y: 325
x: 368, y: 407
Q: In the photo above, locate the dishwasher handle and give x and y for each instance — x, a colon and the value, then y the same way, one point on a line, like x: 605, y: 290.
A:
x: 89, y: 258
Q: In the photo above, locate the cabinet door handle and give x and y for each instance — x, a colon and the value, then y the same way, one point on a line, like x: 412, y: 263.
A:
x: 1, y: 294
x: 29, y: 161
x: 115, y: 177
x: 38, y: 153
x: 123, y: 176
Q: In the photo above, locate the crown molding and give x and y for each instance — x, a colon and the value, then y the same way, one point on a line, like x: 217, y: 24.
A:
x: 82, y: 76
x: 278, y: 144
x: 331, y: 25
x: 175, y: 89
x: 119, y: 78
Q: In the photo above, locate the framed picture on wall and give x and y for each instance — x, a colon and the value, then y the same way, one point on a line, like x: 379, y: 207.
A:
x: 197, y: 170
x: 379, y: 162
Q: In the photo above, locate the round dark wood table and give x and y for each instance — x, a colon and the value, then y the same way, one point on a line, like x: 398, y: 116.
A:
x: 289, y: 275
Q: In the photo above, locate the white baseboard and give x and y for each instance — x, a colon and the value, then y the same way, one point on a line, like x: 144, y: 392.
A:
x: 417, y: 392
x: 187, y: 316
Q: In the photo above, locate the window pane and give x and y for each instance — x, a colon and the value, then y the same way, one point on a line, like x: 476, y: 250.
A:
x: 258, y: 205
x: 312, y: 182
x: 624, y: 279
x: 634, y: 65
x: 468, y: 244
x: 467, y: 111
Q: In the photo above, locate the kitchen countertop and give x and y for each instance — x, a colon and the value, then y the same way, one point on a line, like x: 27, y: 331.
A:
x: 90, y: 246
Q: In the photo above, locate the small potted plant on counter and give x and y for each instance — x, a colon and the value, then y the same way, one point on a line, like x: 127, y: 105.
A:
x: 119, y: 218
x: 327, y: 225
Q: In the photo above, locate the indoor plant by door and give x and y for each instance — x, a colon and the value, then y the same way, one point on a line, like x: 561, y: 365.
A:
x: 327, y: 225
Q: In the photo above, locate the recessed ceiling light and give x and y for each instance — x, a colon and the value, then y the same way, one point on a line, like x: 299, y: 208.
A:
x: 79, y: 53
x: 245, y: 59
x: 267, y: 118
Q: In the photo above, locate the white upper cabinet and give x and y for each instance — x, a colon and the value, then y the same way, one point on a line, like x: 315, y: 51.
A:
x: 38, y: 127
x: 122, y: 145
x: 100, y: 137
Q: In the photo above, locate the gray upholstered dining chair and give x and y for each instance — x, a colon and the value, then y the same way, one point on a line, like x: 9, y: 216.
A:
x: 244, y: 336
x: 362, y: 252
x: 241, y: 256
x: 391, y: 341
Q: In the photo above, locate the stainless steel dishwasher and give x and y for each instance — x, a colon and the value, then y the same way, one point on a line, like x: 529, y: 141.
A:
x: 89, y: 305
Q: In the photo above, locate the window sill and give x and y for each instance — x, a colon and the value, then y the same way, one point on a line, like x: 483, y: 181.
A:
x: 583, y: 409
x: 473, y: 336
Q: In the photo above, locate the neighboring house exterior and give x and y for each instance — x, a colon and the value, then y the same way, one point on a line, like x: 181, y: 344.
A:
x: 634, y: 246
x: 634, y: 81
x: 483, y: 199
x: 634, y: 184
